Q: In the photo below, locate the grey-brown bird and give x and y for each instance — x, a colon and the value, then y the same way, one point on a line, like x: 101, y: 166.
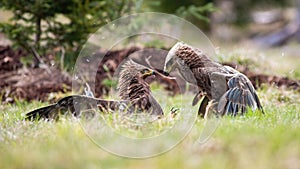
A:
x: 134, y: 92
x: 230, y: 91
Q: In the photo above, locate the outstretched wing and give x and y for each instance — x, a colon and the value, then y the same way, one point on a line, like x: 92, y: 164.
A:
x: 240, y: 95
x: 43, y: 112
x: 74, y: 104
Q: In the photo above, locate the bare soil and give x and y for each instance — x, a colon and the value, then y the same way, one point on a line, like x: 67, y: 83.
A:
x: 21, y: 82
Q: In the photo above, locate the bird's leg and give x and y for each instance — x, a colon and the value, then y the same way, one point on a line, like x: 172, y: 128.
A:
x: 198, y: 96
x: 202, y: 107
x: 211, y: 109
x: 174, y: 112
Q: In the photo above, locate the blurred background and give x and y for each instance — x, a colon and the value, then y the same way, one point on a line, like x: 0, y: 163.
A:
x: 70, y: 21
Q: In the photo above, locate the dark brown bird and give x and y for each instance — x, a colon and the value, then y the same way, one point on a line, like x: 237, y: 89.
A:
x: 133, y: 90
x: 231, y: 91
x: 133, y: 87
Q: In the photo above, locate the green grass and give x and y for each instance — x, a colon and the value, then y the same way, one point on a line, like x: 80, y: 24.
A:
x: 252, y: 141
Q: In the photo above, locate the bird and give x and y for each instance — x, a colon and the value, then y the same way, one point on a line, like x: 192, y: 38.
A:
x: 224, y: 89
x: 132, y: 86
x: 134, y: 91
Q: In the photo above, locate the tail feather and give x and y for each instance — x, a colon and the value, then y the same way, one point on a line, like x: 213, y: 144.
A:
x: 240, y: 95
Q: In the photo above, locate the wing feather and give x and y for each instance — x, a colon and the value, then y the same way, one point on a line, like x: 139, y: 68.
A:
x: 240, y: 95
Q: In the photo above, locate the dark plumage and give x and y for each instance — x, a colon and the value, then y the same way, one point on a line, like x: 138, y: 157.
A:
x: 74, y: 104
x: 229, y: 89
x: 134, y: 92
x: 132, y: 86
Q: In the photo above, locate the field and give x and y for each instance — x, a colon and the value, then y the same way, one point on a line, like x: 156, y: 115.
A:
x: 252, y: 141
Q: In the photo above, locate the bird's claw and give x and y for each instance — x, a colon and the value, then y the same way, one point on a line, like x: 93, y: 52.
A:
x: 174, y: 111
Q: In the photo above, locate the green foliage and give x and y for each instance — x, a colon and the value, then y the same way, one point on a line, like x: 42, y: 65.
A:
x: 199, y: 12
x: 62, y: 27
x: 196, y: 11
x: 46, y: 25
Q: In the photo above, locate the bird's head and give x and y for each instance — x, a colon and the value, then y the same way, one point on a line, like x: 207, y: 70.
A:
x: 145, y: 72
x: 182, y: 54
x: 182, y: 57
x: 171, y: 61
x: 133, y: 69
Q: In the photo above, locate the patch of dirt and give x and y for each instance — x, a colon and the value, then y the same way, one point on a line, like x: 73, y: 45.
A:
x: 9, y: 59
x: 19, y: 82
x: 33, y: 84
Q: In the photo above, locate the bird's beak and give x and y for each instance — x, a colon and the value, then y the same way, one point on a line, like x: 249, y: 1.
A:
x: 167, y: 68
x: 149, y: 73
x: 169, y: 61
x: 163, y: 74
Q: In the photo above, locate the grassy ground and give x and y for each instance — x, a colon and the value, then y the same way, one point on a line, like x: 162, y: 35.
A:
x: 252, y: 141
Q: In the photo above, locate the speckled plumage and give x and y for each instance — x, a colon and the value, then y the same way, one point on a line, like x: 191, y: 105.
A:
x: 230, y: 89
x: 132, y: 86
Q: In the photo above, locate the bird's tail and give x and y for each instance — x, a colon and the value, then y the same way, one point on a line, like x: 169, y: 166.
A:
x: 240, y: 96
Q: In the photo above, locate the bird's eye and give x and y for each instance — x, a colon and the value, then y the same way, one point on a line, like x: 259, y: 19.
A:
x: 144, y: 71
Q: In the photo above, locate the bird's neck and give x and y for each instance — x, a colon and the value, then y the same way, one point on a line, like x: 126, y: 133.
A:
x: 136, y: 88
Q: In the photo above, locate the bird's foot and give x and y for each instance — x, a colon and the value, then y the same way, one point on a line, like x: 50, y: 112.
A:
x: 174, y: 112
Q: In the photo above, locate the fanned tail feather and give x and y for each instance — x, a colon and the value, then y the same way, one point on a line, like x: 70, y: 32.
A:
x: 240, y: 96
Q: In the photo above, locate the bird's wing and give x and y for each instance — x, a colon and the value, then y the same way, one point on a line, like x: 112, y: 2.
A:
x: 202, y: 108
x: 218, y: 83
x: 155, y: 106
x: 197, y: 97
x: 41, y: 113
x: 145, y: 102
x: 75, y: 104
x: 240, y: 95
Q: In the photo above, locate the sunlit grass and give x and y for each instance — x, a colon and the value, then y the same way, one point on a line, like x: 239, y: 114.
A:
x: 252, y: 141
